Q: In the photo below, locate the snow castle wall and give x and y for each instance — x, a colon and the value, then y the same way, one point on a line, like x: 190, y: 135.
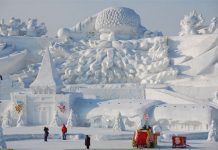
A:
x: 110, y: 91
x: 192, y: 117
x: 39, y: 109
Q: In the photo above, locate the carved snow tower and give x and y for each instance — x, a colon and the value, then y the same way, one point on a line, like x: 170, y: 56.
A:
x: 44, y: 98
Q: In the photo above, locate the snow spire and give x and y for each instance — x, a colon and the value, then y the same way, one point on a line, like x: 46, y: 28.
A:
x: 7, y: 121
x: 118, y: 123
x: 212, y: 134
x: 2, y: 140
x: 56, y: 121
x: 20, y: 121
x: 72, y: 119
x: 47, y: 79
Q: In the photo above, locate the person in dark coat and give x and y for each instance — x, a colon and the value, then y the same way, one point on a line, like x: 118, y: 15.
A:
x: 46, y: 133
x: 1, y: 78
x: 64, y: 131
x: 87, y: 141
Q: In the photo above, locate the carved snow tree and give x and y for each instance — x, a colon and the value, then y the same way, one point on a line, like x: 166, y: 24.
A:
x: 213, y: 133
x: 118, y: 123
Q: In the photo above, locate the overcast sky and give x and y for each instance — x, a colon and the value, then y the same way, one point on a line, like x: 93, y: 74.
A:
x: 162, y: 15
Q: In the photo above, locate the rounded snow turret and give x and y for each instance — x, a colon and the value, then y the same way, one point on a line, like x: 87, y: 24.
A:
x: 122, y: 21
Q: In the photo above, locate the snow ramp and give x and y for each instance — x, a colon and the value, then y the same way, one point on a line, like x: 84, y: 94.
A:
x: 169, y: 97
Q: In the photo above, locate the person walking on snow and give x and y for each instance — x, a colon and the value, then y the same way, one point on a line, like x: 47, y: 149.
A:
x: 87, y: 141
x: 46, y: 133
x: 64, y: 131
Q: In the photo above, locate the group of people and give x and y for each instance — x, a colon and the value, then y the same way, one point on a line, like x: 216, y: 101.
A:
x: 64, y: 135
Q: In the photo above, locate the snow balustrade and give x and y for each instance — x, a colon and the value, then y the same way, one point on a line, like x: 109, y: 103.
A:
x: 179, y: 117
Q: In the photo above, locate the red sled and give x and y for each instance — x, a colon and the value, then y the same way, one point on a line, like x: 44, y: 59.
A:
x: 179, y: 142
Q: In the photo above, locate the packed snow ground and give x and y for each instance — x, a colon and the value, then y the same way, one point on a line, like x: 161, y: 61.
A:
x: 31, y: 138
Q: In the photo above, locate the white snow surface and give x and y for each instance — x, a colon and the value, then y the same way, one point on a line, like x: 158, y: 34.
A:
x: 100, y: 139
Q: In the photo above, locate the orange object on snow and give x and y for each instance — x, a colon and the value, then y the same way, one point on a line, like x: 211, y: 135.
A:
x: 179, y: 141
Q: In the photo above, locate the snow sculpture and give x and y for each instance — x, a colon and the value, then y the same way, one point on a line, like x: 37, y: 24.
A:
x: 215, y: 97
x: 3, y: 28
x: 118, y: 123
x: 213, y: 133
x: 47, y: 80
x: 7, y: 119
x: 114, y: 23
x: 194, y: 24
x: 20, y: 121
x: 72, y: 119
x: 145, y: 61
x: 156, y: 128
x: 123, y: 22
x: 35, y: 30
x: 2, y: 140
x: 16, y: 27
x: 56, y: 121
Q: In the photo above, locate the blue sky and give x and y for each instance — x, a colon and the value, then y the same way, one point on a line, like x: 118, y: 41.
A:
x: 162, y: 15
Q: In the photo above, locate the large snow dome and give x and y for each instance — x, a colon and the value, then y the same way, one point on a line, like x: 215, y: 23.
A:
x: 117, y: 19
x: 113, y: 23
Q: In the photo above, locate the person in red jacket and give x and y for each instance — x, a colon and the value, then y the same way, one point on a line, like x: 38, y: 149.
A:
x: 64, y: 131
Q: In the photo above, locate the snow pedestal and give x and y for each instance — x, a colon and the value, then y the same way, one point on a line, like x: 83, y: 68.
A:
x: 118, y: 123
x: 2, y: 140
x: 213, y: 133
